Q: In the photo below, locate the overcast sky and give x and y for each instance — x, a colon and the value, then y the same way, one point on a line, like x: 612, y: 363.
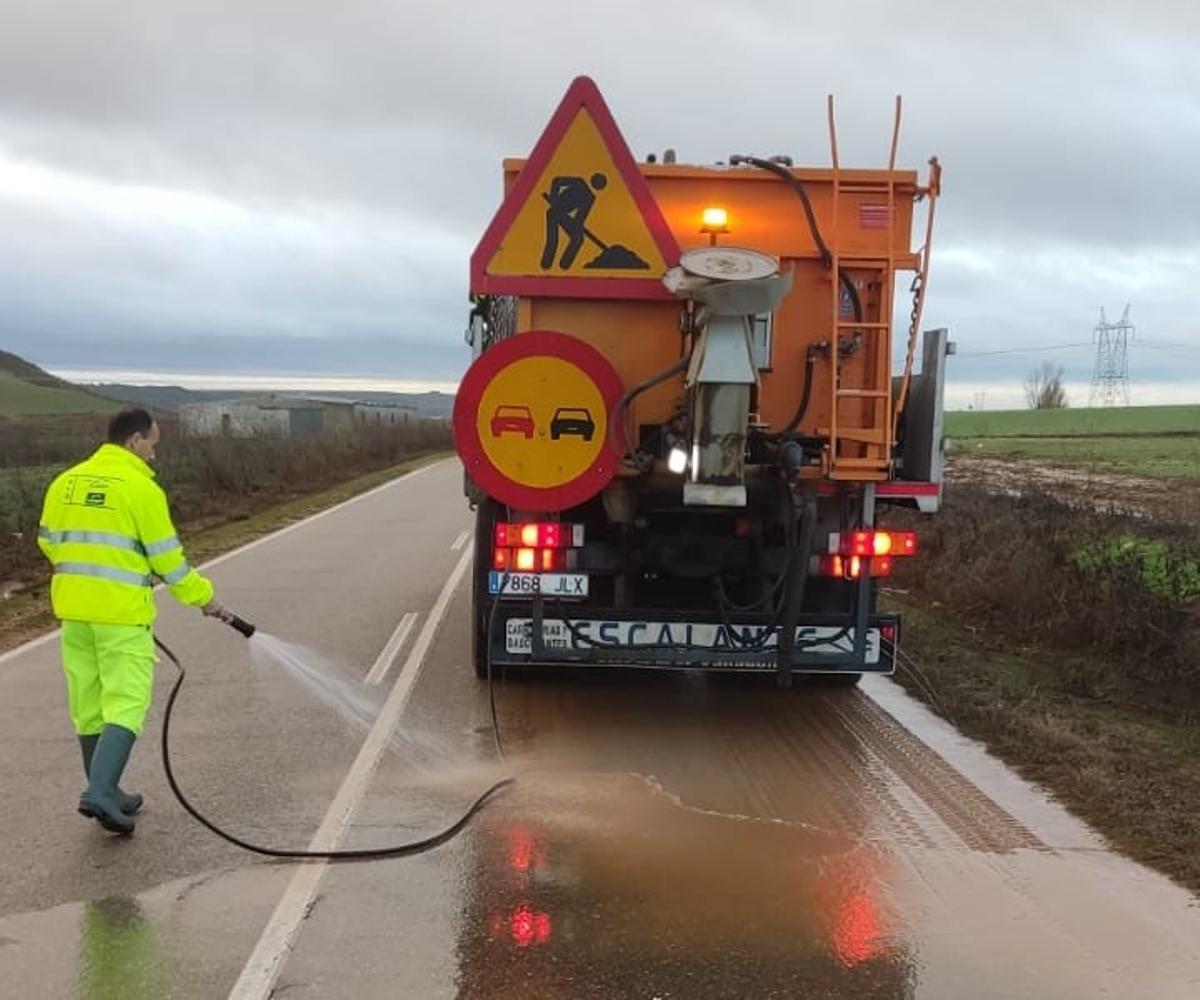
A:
x: 262, y: 187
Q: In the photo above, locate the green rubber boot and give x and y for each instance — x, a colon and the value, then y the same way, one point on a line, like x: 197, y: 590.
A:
x: 100, y: 801
x: 130, y: 802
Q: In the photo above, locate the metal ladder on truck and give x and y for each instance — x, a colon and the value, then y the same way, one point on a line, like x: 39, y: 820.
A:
x: 860, y: 446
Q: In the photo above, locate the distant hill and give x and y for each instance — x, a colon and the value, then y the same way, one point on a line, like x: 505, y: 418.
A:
x: 172, y: 397
x: 26, y: 389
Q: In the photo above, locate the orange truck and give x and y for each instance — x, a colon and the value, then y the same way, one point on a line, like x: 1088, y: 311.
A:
x: 681, y: 426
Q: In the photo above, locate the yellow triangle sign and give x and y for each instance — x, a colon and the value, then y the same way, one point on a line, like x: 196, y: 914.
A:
x: 580, y: 219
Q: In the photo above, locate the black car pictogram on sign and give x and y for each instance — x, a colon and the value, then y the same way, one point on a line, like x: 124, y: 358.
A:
x: 572, y: 420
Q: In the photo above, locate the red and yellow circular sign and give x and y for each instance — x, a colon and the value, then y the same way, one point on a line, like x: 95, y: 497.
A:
x: 531, y: 421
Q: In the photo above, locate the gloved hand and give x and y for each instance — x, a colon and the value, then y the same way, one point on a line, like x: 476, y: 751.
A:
x: 214, y: 609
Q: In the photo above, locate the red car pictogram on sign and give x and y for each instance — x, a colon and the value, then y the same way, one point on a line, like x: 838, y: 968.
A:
x: 514, y: 419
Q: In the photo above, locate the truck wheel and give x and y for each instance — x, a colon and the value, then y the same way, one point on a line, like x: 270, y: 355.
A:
x: 485, y: 527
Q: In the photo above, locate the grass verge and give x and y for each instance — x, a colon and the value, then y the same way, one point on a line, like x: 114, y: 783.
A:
x: 26, y: 614
x: 1134, y: 776
x: 1156, y: 457
x: 1115, y: 420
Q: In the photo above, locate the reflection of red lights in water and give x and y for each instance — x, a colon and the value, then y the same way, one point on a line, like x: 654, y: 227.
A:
x: 521, y: 847
x: 525, y: 926
x: 856, y: 938
x: 529, y: 927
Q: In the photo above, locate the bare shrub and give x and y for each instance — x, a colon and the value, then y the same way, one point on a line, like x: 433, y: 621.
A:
x: 1044, y: 389
x: 1035, y: 572
x: 206, y: 478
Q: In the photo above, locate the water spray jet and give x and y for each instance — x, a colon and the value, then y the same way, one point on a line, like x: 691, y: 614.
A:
x: 363, y: 854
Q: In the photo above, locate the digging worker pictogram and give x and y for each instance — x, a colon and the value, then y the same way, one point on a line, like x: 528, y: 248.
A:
x: 107, y: 530
x: 571, y: 199
x: 569, y: 203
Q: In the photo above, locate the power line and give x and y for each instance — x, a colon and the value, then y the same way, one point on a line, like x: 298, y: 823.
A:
x: 1167, y: 345
x: 1024, y: 350
x: 1161, y: 345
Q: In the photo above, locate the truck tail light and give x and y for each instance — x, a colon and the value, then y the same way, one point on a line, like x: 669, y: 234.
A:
x: 852, y: 567
x: 536, y: 547
x: 873, y: 543
x: 539, y: 535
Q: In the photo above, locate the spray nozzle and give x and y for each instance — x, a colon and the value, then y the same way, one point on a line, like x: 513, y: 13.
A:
x: 233, y: 621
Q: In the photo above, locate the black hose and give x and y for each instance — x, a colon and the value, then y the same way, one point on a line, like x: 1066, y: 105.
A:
x: 844, y: 279
x: 622, y: 407
x: 778, y: 591
x: 782, y: 172
x: 805, y: 394
x: 363, y: 854
x: 491, y: 624
x: 797, y: 585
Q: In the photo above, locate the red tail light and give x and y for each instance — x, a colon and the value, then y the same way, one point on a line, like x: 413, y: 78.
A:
x: 537, y: 547
x: 539, y: 535
x: 851, y: 567
x: 873, y: 543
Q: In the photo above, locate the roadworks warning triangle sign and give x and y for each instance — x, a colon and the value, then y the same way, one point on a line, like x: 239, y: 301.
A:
x: 579, y: 220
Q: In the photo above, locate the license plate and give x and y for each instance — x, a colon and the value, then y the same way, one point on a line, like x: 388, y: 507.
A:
x: 561, y: 585
x: 701, y: 637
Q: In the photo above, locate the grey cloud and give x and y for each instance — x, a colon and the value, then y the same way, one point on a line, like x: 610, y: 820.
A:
x: 363, y: 144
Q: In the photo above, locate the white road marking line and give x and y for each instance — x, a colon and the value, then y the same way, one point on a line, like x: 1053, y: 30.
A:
x: 379, y: 671
x: 460, y: 541
x: 41, y: 640
x: 262, y: 969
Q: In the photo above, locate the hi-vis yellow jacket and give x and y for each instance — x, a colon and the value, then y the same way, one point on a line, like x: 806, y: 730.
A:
x: 107, y: 530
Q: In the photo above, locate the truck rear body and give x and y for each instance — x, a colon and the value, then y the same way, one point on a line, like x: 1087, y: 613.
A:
x: 703, y: 488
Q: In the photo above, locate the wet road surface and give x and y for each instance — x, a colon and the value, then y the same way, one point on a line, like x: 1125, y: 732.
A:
x: 669, y: 835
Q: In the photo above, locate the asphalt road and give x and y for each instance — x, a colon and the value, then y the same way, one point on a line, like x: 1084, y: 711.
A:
x: 668, y: 836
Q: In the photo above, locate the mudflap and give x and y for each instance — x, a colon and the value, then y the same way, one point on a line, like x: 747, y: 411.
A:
x: 824, y: 644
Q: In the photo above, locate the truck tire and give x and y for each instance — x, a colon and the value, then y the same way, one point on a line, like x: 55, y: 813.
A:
x: 486, y: 516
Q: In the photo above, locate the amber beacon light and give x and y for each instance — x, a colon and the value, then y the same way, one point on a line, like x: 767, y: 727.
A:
x: 714, y: 220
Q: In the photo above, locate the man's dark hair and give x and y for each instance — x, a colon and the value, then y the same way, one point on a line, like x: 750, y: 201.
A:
x: 130, y: 421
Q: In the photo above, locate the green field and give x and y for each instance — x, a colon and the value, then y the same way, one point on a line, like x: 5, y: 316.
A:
x: 1162, y: 442
x: 1157, y: 420
x: 21, y: 398
x: 1171, y: 457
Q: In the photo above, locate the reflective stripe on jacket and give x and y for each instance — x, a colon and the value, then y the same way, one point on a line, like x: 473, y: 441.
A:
x: 107, y: 530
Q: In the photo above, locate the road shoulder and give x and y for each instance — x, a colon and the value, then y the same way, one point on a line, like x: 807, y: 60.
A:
x: 1134, y: 777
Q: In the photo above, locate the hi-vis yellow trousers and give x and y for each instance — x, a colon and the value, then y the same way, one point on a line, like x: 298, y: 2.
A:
x: 110, y: 675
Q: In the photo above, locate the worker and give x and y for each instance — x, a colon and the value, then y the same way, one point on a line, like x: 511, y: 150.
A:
x: 107, y: 530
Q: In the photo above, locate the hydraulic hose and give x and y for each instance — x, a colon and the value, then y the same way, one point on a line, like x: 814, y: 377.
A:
x: 783, y: 173
x: 797, y: 584
x: 621, y: 409
x: 810, y: 363
x: 362, y: 854
x: 844, y: 279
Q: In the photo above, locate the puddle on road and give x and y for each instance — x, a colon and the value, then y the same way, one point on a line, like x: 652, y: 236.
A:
x: 183, y: 939
x: 607, y: 885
